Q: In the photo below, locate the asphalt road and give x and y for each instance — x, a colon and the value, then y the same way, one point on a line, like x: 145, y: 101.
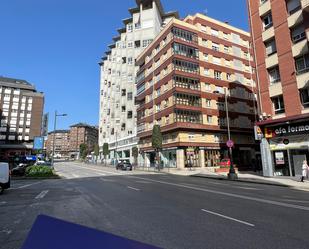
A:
x: 163, y: 210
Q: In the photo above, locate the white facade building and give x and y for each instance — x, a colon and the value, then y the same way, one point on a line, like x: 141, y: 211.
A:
x: 118, y: 116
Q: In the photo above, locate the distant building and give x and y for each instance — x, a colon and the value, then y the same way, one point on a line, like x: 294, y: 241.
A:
x: 117, y: 88
x: 188, y: 76
x: 21, y: 110
x: 68, y: 141
x: 82, y: 133
x: 62, y: 138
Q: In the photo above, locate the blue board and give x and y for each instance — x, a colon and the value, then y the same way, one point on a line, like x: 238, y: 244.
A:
x: 38, y: 143
x: 51, y: 233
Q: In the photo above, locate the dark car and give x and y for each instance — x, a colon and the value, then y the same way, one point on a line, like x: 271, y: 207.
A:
x: 19, y: 170
x: 124, y: 165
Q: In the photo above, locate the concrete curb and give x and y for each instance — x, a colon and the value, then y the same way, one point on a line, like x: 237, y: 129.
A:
x: 243, y: 180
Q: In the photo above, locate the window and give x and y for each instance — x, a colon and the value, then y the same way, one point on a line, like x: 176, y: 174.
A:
x: 206, y: 71
x: 130, y: 44
x: 218, y: 75
x: 137, y: 25
x: 304, y: 96
x: 298, y: 34
x: 302, y: 64
x: 217, y: 60
x: 225, y: 36
x: 215, y: 46
x: 123, y: 92
x: 129, y: 27
x: 293, y: 6
x: 207, y: 87
x: 278, y: 104
x: 137, y: 44
x: 228, y: 76
x: 209, y: 119
x: 214, y: 32
x: 130, y: 60
x: 270, y: 47
x: 267, y: 21
x: 208, y: 102
x: 206, y: 57
x: 130, y: 96
x: 130, y: 114
x: 146, y: 42
x: 274, y: 75
x: 226, y: 49
x: 158, y: 108
x: 123, y: 126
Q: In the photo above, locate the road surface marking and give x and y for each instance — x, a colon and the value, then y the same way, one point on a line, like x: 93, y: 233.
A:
x: 217, y: 183
x: 145, y: 182
x: 245, y: 197
x: 27, y: 185
x: 106, y: 180
x: 7, y: 231
x: 2, y: 202
x: 229, y: 218
x: 136, y: 189
x: 299, y: 201
x: 75, y: 176
x: 42, y: 194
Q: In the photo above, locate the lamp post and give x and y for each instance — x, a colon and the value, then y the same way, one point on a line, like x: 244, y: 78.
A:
x: 54, y: 137
x: 232, y: 174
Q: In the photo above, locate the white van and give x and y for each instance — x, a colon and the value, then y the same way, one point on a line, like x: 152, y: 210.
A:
x: 4, y: 177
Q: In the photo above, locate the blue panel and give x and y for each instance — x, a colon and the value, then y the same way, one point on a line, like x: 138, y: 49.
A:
x: 51, y: 233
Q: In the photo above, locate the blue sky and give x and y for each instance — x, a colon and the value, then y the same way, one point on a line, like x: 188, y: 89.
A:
x: 56, y: 44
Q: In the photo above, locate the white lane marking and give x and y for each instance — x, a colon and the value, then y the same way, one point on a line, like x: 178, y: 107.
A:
x: 217, y: 183
x: 247, y: 188
x: 245, y: 197
x: 7, y: 231
x: 2, y: 202
x: 27, y: 185
x: 75, y: 176
x: 106, y: 180
x: 144, y: 182
x: 136, y: 189
x: 42, y: 194
x: 229, y: 218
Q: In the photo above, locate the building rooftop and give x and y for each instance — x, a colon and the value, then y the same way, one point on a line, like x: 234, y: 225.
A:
x: 82, y: 125
x: 59, y: 131
x: 18, y: 83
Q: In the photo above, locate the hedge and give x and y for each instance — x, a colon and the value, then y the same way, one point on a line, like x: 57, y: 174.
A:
x: 37, y: 171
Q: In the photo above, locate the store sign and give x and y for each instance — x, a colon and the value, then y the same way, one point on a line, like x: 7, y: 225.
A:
x: 258, y: 134
x: 279, y: 156
x: 285, y: 130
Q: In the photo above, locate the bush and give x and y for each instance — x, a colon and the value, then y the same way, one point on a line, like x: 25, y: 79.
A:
x: 39, y: 171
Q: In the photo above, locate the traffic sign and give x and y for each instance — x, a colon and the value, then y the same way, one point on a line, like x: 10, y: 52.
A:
x: 230, y: 143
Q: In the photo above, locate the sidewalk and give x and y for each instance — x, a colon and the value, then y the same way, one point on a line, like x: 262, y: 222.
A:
x: 251, y: 177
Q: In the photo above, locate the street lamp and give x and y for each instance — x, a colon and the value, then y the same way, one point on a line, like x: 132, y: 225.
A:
x: 54, y: 137
x: 232, y: 174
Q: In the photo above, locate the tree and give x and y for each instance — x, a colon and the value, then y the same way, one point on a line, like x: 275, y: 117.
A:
x: 135, y: 154
x: 157, y: 141
x: 105, y: 151
x: 96, y: 152
x: 83, y: 151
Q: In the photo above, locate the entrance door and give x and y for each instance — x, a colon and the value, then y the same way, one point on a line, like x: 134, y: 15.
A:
x: 298, y: 163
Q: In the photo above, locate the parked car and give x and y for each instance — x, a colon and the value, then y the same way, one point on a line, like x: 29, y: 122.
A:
x: 5, y: 180
x: 19, y: 170
x: 226, y: 162
x: 124, y: 165
x: 43, y: 163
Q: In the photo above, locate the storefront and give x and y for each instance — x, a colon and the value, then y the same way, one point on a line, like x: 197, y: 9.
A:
x: 285, y: 146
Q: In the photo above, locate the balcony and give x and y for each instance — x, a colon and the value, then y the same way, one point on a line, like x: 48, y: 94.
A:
x: 271, y: 61
x: 264, y: 8
x: 268, y: 33
x: 295, y: 18
x: 305, y: 5
x: 300, y: 48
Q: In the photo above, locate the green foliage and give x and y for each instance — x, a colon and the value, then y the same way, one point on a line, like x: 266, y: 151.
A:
x: 135, y: 152
x: 105, y: 149
x: 157, y: 137
x: 83, y: 150
x: 96, y: 150
x: 39, y: 171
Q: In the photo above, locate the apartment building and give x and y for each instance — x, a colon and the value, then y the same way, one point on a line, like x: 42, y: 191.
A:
x: 188, y: 77
x: 82, y: 133
x: 117, y: 121
x: 280, y: 38
x: 21, y: 110
x: 61, y: 138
